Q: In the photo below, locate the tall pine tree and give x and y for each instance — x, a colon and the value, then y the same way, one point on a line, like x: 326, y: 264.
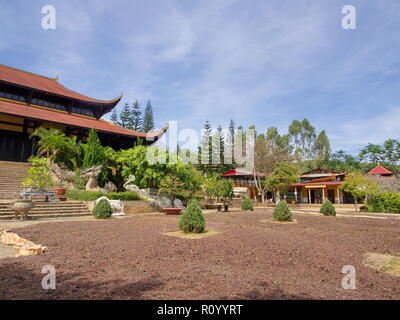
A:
x: 114, y: 116
x: 148, y: 120
x: 125, y: 117
x: 137, y: 121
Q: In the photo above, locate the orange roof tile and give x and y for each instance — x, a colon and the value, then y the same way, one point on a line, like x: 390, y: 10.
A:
x: 35, y: 81
x: 379, y: 170
x: 36, y: 113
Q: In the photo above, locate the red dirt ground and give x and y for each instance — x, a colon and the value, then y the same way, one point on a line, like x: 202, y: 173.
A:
x: 129, y: 259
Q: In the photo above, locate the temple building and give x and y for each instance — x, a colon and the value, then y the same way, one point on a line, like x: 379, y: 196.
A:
x: 318, y: 185
x: 243, y: 183
x: 29, y: 101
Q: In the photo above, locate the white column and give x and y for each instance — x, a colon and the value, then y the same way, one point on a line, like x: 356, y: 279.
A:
x: 323, y: 195
x: 309, y: 196
x: 295, y: 194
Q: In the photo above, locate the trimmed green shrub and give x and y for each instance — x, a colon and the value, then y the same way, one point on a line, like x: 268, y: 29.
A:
x: 127, y: 195
x: 328, y: 209
x: 83, y: 195
x: 192, y: 220
x: 247, y: 204
x: 388, y: 202
x: 102, y: 210
x: 282, y: 212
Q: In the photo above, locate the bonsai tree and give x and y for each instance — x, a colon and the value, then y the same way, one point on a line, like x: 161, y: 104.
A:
x: 328, y: 209
x: 282, y: 212
x: 39, y: 175
x: 192, y: 220
x: 210, y: 187
x: 102, y: 210
x: 246, y: 204
x: 171, y: 186
x: 359, y: 186
x: 225, y: 191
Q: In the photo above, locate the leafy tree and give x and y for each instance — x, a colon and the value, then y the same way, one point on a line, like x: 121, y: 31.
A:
x: 283, y: 177
x: 282, y: 212
x: 193, y: 180
x: 322, y: 146
x: 171, y: 186
x: 114, y: 116
x: 359, y: 186
x: 39, y: 175
x: 94, y: 154
x: 137, y: 121
x: 192, y: 220
x: 225, y: 191
x: 59, y: 148
x: 372, y: 153
x: 148, y: 120
x: 126, y: 117
x: 340, y: 161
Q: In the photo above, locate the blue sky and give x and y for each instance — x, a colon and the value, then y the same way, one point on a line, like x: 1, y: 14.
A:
x: 261, y: 62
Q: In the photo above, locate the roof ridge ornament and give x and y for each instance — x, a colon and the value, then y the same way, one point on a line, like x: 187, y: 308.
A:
x: 56, y: 78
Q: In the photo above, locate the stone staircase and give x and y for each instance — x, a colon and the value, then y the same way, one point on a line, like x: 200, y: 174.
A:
x: 11, y: 176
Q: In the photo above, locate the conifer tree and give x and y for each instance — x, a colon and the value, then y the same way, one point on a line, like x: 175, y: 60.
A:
x: 148, y: 120
x: 125, y: 117
x: 114, y: 116
x: 137, y: 121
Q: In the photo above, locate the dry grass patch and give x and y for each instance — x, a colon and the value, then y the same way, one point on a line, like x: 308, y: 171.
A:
x: 383, y: 262
x: 181, y: 234
x: 271, y: 220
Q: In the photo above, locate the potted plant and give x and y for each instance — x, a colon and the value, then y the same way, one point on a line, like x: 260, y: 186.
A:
x: 39, y: 176
x: 171, y: 186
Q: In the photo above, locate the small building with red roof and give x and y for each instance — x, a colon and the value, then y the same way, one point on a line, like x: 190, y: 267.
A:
x: 29, y: 101
x: 382, y: 172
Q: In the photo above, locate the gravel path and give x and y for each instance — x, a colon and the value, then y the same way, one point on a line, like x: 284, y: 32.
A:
x: 130, y: 259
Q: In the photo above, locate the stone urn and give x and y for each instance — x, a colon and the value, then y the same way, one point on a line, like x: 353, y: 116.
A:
x: 22, y: 208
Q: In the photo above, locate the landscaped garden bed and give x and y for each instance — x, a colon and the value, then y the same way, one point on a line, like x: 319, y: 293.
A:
x: 132, y: 258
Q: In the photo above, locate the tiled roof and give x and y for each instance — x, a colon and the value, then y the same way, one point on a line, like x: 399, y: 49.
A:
x: 239, y: 172
x: 35, y: 81
x: 36, y: 113
x: 379, y: 170
x: 327, y: 183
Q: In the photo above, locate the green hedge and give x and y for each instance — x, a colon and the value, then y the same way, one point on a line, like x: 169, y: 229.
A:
x: 84, y: 195
x: 388, y: 202
x: 187, y: 197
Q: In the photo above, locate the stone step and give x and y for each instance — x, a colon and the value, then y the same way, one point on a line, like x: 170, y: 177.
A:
x: 41, y: 216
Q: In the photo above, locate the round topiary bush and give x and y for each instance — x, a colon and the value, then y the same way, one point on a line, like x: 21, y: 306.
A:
x: 246, y: 204
x: 328, y: 209
x: 192, y: 220
x: 282, y: 212
x: 102, y: 210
